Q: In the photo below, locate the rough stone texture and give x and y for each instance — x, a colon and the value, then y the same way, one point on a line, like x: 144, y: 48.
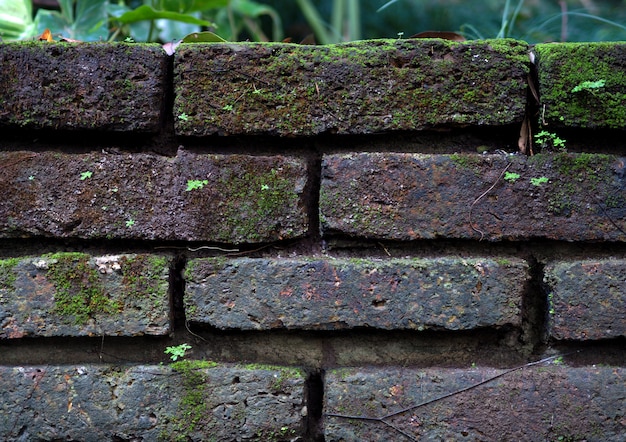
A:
x: 359, y: 87
x: 536, y: 403
x: 104, y: 86
x: 562, y: 67
x: 74, y: 294
x: 219, y: 402
x: 587, y: 299
x: 448, y: 293
x: 141, y: 196
x: 416, y: 196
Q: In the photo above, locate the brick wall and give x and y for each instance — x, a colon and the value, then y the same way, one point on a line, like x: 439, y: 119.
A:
x: 346, y: 237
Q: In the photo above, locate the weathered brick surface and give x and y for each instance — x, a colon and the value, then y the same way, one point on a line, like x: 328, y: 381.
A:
x: 587, y: 299
x: 149, y: 402
x: 402, y: 196
x: 74, y: 294
x: 448, y: 293
x: 141, y: 196
x: 536, y: 403
x: 359, y: 87
x: 101, y: 86
x: 563, y: 67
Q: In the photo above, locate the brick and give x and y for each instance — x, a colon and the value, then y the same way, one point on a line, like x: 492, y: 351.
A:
x: 192, y: 400
x: 327, y: 294
x: 587, y: 299
x: 565, y: 66
x: 74, y: 294
x: 405, y: 196
x: 237, y: 198
x: 104, y: 86
x: 352, y: 88
x: 536, y: 403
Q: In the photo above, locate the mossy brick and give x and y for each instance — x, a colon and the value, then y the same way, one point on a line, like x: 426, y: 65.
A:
x: 188, y: 400
x: 586, y: 299
x: 565, y: 66
x: 232, y: 198
x: 327, y: 294
x: 349, y: 88
x: 103, y: 86
x: 548, y: 401
x: 75, y: 294
x: 406, y: 196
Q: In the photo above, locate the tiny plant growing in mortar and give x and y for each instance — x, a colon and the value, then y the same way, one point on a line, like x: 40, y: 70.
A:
x: 549, y: 140
x: 589, y: 86
x: 177, y: 351
x: 196, y: 184
x: 511, y: 177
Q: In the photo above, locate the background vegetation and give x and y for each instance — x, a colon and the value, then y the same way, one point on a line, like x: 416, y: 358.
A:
x: 330, y: 20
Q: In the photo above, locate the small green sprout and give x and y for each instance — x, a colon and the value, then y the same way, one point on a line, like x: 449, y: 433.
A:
x: 85, y: 175
x: 177, y: 351
x: 264, y: 187
x: 129, y: 40
x: 550, y: 140
x: 31, y: 177
x: 183, y: 117
x: 558, y: 360
x: 511, y: 176
x: 228, y: 107
x: 538, y: 181
x: 130, y: 222
x: 589, y: 86
x: 195, y: 184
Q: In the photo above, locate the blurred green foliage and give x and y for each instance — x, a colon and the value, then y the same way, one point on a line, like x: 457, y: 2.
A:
x: 330, y: 20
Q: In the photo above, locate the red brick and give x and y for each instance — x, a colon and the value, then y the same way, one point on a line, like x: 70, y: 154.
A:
x: 104, y: 86
x: 240, y: 198
x: 359, y: 87
x: 441, y: 293
x: 74, y: 294
x: 587, y: 299
x: 405, y: 196
x: 554, y: 402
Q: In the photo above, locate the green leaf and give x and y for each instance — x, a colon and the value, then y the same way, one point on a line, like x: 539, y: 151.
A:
x: 192, y: 5
x: 146, y: 12
x: 16, y: 20
x: 203, y: 37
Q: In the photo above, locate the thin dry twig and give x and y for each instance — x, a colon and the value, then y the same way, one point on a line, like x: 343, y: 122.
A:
x: 475, y: 229
x: 384, y: 419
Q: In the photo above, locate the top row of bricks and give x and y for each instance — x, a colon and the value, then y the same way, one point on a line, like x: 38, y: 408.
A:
x: 295, y: 90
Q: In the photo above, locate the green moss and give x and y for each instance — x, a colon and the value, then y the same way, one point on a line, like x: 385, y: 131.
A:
x: 7, y: 274
x: 588, y: 177
x: 284, y: 374
x: 472, y: 162
x: 143, y: 275
x: 194, y: 405
x: 253, y: 199
x: 79, y: 292
x: 565, y: 66
x: 287, y: 109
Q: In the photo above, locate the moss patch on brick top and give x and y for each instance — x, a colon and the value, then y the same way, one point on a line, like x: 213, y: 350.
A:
x: 357, y: 87
x: 565, y: 67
